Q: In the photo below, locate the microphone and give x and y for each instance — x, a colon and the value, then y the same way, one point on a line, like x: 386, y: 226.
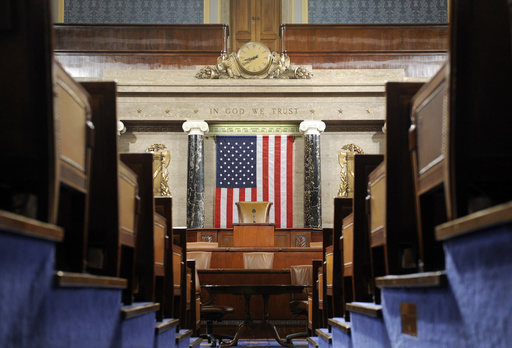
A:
x: 253, y: 218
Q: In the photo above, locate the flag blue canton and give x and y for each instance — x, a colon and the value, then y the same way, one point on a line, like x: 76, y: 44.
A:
x: 236, y: 161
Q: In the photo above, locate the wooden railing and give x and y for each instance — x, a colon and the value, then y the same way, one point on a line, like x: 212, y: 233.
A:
x: 419, y: 49
x: 87, y: 50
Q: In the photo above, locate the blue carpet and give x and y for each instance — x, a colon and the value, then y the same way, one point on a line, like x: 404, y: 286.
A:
x: 261, y: 343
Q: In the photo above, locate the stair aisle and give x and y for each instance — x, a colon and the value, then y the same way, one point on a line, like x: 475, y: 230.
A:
x: 324, y: 338
x: 44, y: 308
x: 478, y: 251
x: 165, y: 332
x: 80, y: 310
x: 341, y: 333
x: 27, y: 253
x: 368, y: 328
x: 420, y: 310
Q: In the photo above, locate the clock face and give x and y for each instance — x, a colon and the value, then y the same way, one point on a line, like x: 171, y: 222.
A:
x: 254, y: 57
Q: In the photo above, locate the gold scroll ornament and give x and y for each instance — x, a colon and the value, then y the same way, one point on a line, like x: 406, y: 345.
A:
x: 346, y: 161
x: 161, y: 161
x: 228, y: 67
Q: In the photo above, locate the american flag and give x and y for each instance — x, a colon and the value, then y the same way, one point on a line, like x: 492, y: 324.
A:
x: 254, y: 168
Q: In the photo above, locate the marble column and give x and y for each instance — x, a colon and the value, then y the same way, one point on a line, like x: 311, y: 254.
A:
x: 195, y: 176
x: 312, y: 173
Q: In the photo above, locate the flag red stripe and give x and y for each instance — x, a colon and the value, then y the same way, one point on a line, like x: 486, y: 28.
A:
x: 277, y: 181
x: 265, y: 167
x: 289, y: 181
x: 229, y: 208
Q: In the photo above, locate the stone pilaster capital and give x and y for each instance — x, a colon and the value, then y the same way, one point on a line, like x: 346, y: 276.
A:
x: 121, y: 129
x: 312, y: 127
x: 195, y: 127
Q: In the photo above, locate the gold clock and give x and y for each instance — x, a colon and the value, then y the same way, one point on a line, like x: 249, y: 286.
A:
x: 254, y: 58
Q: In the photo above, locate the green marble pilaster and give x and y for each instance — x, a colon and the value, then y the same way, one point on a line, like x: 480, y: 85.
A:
x: 195, y: 173
x: 312, y: 173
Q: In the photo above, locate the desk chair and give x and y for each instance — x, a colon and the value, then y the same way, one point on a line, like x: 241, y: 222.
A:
x: 201, y: 245
x: 254, y: 212
x: 300, y: 275
x: 316, y: 245
x: 209, y: 313
x: 258, y: 260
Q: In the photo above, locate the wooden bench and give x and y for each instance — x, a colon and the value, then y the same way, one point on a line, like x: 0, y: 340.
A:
x: 460, y: 138
x: 392, y: 214
x: 356, y: 248
x: 28, y: 179
x: 113, y: 199
x: 46, y: 134
x: 314, y: 319
x: 151, y: 232
x: 324, y: 303
x: 194, y: 299
x: 74, y: 133
x: 342, y: 207
x: 179, y: 285
x: 163, y: 206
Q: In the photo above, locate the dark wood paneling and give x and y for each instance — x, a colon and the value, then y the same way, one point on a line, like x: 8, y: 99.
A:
x: 364, y: 38
x: 86, y: 50
x: 141, y: 38
x: 283, y: 257
x: 283, y: 237
x: 419, y: 49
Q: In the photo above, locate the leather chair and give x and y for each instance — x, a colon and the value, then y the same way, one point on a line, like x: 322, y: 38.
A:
x: 201, y: 245
x: 253, y: 212
x: 209, y: 313
x: 300, y: 275
x: 258, y: 260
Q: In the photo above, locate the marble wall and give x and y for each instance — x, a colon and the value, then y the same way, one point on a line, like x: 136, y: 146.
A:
x: 177, y: 143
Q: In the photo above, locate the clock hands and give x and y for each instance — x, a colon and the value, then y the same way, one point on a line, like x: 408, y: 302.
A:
x: 248, y: 60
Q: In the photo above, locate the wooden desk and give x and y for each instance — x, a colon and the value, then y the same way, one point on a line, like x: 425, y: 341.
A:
x: 232, y: 258
x: 253, y: 235
x: 247, y: 291
x: 279, y: 305
x: 283, y: 237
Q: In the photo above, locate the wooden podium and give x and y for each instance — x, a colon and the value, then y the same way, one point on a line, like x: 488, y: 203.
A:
x: 253, y: 235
